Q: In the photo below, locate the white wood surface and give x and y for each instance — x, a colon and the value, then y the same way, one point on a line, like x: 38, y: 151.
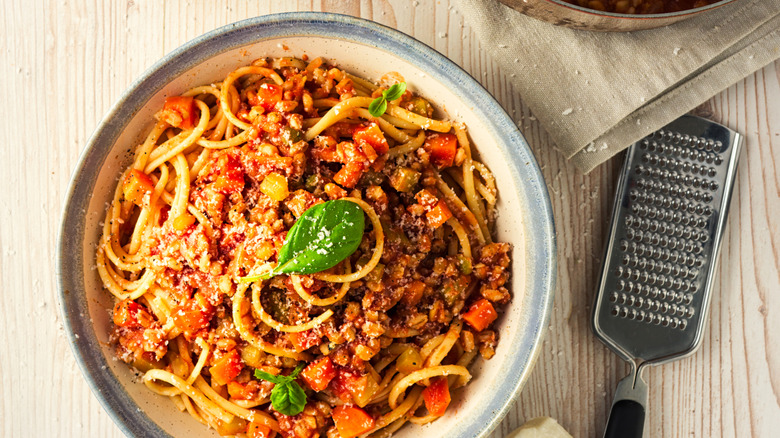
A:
x: 65, y: 62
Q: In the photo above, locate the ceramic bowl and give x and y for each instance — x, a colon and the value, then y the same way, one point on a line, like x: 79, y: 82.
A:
x: 361, y: 47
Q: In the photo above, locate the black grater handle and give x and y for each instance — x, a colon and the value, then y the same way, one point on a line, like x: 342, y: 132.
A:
x: 627, y: 417
x: 627, y: 420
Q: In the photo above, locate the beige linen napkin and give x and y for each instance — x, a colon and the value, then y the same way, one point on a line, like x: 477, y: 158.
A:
x: 597, y: 93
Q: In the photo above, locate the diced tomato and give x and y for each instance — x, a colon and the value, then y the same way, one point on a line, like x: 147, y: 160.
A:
x: 304, y: 340
x: 136, y: 186
x: 268, y: 95
x: 226, y: 368
x: 128, y: 313
x: 193, y: 316
x: 352, y: 421
x: 180, y: 111
x: 164, y: 213
x: 442, y: 148
x: 230, y: 178
x: 437, y: 396
x: 258, y: 430
x: 480, y: 315
x: 438, y: 215
x: 319, y: 374
x: 350, y: 174
x: 372, y: 136
x: 343, y: 385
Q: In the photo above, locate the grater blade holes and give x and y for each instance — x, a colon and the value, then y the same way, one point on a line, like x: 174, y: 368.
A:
x: 668, y: 204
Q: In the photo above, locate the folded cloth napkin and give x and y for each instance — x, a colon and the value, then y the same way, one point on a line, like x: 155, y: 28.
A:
x: 596, y: 93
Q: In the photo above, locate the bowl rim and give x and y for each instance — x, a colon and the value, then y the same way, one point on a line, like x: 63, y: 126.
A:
x: 72, y: 301
x: 638, y: 17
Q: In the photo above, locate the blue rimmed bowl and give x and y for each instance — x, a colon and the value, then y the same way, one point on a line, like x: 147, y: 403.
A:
x: 365, y: 48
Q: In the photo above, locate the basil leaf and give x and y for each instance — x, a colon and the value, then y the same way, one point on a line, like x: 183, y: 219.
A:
x: 322, y: 237
x: 270, y: 377
x: 378, y: 106
x: 395, y: 92
x: 297, y: 397
x: 288, y: 398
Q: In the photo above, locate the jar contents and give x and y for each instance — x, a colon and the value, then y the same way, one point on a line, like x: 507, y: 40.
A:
x: 641, y: 6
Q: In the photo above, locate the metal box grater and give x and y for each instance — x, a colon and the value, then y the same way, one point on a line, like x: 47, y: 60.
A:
x: 670, y: 209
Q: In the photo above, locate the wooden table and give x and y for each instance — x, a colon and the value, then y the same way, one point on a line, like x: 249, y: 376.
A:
x: 65, y: 63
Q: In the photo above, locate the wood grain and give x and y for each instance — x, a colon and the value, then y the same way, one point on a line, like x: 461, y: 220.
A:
x: 64, y: 64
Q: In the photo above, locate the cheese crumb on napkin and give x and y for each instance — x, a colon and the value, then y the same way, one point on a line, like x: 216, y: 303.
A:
x: 541, y: 427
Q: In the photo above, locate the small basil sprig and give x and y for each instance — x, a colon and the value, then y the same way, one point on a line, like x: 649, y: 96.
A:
x: 287, y: 397
x: 379, y: 105
x: 322, y: 237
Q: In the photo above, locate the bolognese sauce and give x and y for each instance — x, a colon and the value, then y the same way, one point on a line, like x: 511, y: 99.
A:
x: 210, y: 200
x: 642, y: 6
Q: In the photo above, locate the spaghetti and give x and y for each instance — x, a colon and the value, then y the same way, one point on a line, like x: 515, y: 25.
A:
x: 222, y: 177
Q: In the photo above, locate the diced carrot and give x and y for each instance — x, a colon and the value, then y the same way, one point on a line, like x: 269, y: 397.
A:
x: 136, y: 186
x: 438, y: 215
x: 183, y: 221
x: 350, y: 174
x: 226, y: 368
x: 258, y: 430
x: 236, y: 390
x: 480, y: 315
x: 437, y: 396
x: 243, y: 391
x: 427, y: 199
x: 373, y: 136
x: 319, y: 374
x: 233, y: 427
x: 192, y: 316
x: 352, y: 421
x: 379, y: 163
x: 350, y: 152
x: 329, y: 154
x: 180, y: 111
x: 268, y: 95
x: 442, y: 149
